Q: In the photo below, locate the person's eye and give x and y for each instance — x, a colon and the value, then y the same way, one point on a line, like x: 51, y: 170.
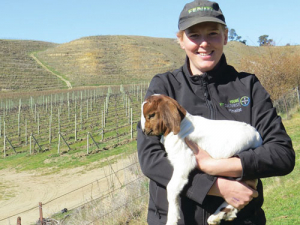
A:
x: 193, y: 36
x: 213, y: 33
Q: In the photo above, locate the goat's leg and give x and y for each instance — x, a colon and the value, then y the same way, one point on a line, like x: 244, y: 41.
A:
x: 175, y: 186
x: 225, y: 211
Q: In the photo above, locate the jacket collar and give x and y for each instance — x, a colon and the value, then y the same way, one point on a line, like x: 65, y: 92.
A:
x: 213, y: 75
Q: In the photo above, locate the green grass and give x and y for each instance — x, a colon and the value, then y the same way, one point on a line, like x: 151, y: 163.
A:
x: 51, y: 162
x: 282, y: 197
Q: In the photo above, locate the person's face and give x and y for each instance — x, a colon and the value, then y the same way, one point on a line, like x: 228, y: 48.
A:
x: 203, y: 44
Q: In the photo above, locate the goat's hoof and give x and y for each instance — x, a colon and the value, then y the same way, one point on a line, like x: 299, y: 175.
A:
x: 213, y: 220
x: 230, y: 216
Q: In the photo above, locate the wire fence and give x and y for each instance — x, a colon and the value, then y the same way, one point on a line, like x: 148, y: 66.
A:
x: 120, y: 193
x: 117, y: 195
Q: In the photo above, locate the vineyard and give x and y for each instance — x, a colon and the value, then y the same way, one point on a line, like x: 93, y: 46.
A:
x: 89, y: 120
x: 18, y: 71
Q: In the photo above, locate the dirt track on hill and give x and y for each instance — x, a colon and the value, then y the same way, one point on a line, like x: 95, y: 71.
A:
x: 21, y: 192
x: 42, y: 65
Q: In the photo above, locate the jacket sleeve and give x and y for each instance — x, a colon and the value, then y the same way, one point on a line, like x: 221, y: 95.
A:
x: 155, y: 164
x: 276, y: 156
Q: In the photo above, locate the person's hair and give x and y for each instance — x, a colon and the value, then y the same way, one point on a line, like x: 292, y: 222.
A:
x: 181, y: 32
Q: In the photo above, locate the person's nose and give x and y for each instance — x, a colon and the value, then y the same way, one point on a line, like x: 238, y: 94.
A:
x: 204, y: 42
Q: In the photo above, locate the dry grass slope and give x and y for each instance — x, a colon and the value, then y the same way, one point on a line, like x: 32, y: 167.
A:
x: 19, y: 72
x: 100, y: 60
x: 104, y: 60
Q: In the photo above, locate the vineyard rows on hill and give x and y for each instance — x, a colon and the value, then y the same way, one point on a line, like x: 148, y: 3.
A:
x: 18, y: 71
x: 91, y: 119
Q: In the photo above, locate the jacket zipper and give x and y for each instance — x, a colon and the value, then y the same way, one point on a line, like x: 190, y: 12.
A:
x: 207, y: 97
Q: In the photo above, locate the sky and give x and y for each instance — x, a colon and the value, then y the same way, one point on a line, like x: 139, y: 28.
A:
x: 62, y: 21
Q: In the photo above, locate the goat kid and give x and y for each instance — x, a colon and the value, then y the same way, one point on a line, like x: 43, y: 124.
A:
x: 162, y: 115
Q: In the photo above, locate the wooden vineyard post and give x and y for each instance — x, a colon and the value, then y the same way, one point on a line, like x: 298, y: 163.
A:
x: 131, y: 131
x: 50, y: 135
x: 41, y: 213
x: 75, y: 127
x: 38, y: 123
x: 18, y: 124
x: 87, y: 143
x: 58, y: 146
x: 68, y: 106
x: 36, y: 142
x: 30, y: 144
x: 81, y: 116
x: 129, y: 103
x: 26, y: 138
x: 87, y: 108
x: 4, y: 142
x: 19, y: 221
x: 62, y: 137
x: 298, y: 96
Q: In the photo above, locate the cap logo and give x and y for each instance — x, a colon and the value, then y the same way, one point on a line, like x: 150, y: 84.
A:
x: 197, y: 9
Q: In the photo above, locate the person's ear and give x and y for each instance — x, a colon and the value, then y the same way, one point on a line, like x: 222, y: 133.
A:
x: 225, y: 36
x: 180, y: 39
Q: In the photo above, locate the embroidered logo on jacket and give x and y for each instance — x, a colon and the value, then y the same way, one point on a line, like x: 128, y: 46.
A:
x: 236, y: 105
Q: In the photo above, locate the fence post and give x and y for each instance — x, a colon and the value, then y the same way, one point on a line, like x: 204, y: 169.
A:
x: 30, y: 143
x: 41, y: 212
x: 19, y: 221
x: 4, y: 140
x: 36, y: 142
x: 58, y: 147
x: 298, y: 96
x: 75, y: 127
x: 65, y: 141
x: 87, y: 143
x: 131, y: 131
x: 4, y: 146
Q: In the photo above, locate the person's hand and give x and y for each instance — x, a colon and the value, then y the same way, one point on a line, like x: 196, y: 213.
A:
x: 204, y: 160
x: 236, y: 193
x: 231, y: 167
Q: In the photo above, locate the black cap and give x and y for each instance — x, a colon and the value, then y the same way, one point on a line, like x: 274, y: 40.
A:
x: 200, y: 11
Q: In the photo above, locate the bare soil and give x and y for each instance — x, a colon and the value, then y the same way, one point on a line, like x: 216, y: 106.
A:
x: 21, y: 192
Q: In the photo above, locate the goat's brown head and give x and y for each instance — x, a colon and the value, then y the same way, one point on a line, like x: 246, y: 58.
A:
x: 161, y: 115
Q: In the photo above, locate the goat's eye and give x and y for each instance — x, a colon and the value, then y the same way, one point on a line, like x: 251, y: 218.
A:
x: 151, y: 115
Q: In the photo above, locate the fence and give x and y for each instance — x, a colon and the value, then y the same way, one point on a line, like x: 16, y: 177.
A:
x: 119, y: 193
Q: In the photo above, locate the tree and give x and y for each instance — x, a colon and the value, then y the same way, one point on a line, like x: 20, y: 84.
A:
x: 264, y: 41
x: 232, y: 35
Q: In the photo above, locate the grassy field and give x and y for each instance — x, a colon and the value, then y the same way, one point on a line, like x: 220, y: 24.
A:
x: 282, y: 193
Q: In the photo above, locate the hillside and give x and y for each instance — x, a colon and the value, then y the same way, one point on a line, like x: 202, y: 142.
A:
x: 113, y: 59
x: 18, y: 71
x: 101, y: 60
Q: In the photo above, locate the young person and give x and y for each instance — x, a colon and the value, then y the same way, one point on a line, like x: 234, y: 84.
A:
x: 206, y: 85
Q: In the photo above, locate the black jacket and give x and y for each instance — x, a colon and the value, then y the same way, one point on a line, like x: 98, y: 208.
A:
x: 219, y: 94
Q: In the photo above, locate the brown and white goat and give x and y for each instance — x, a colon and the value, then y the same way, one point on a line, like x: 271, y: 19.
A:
x: 162, y: 115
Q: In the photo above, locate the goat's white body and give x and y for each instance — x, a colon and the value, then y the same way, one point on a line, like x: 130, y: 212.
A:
x: 220, y: 138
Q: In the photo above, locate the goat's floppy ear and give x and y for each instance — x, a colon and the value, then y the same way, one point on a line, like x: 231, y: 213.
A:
x: 171, y: 116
